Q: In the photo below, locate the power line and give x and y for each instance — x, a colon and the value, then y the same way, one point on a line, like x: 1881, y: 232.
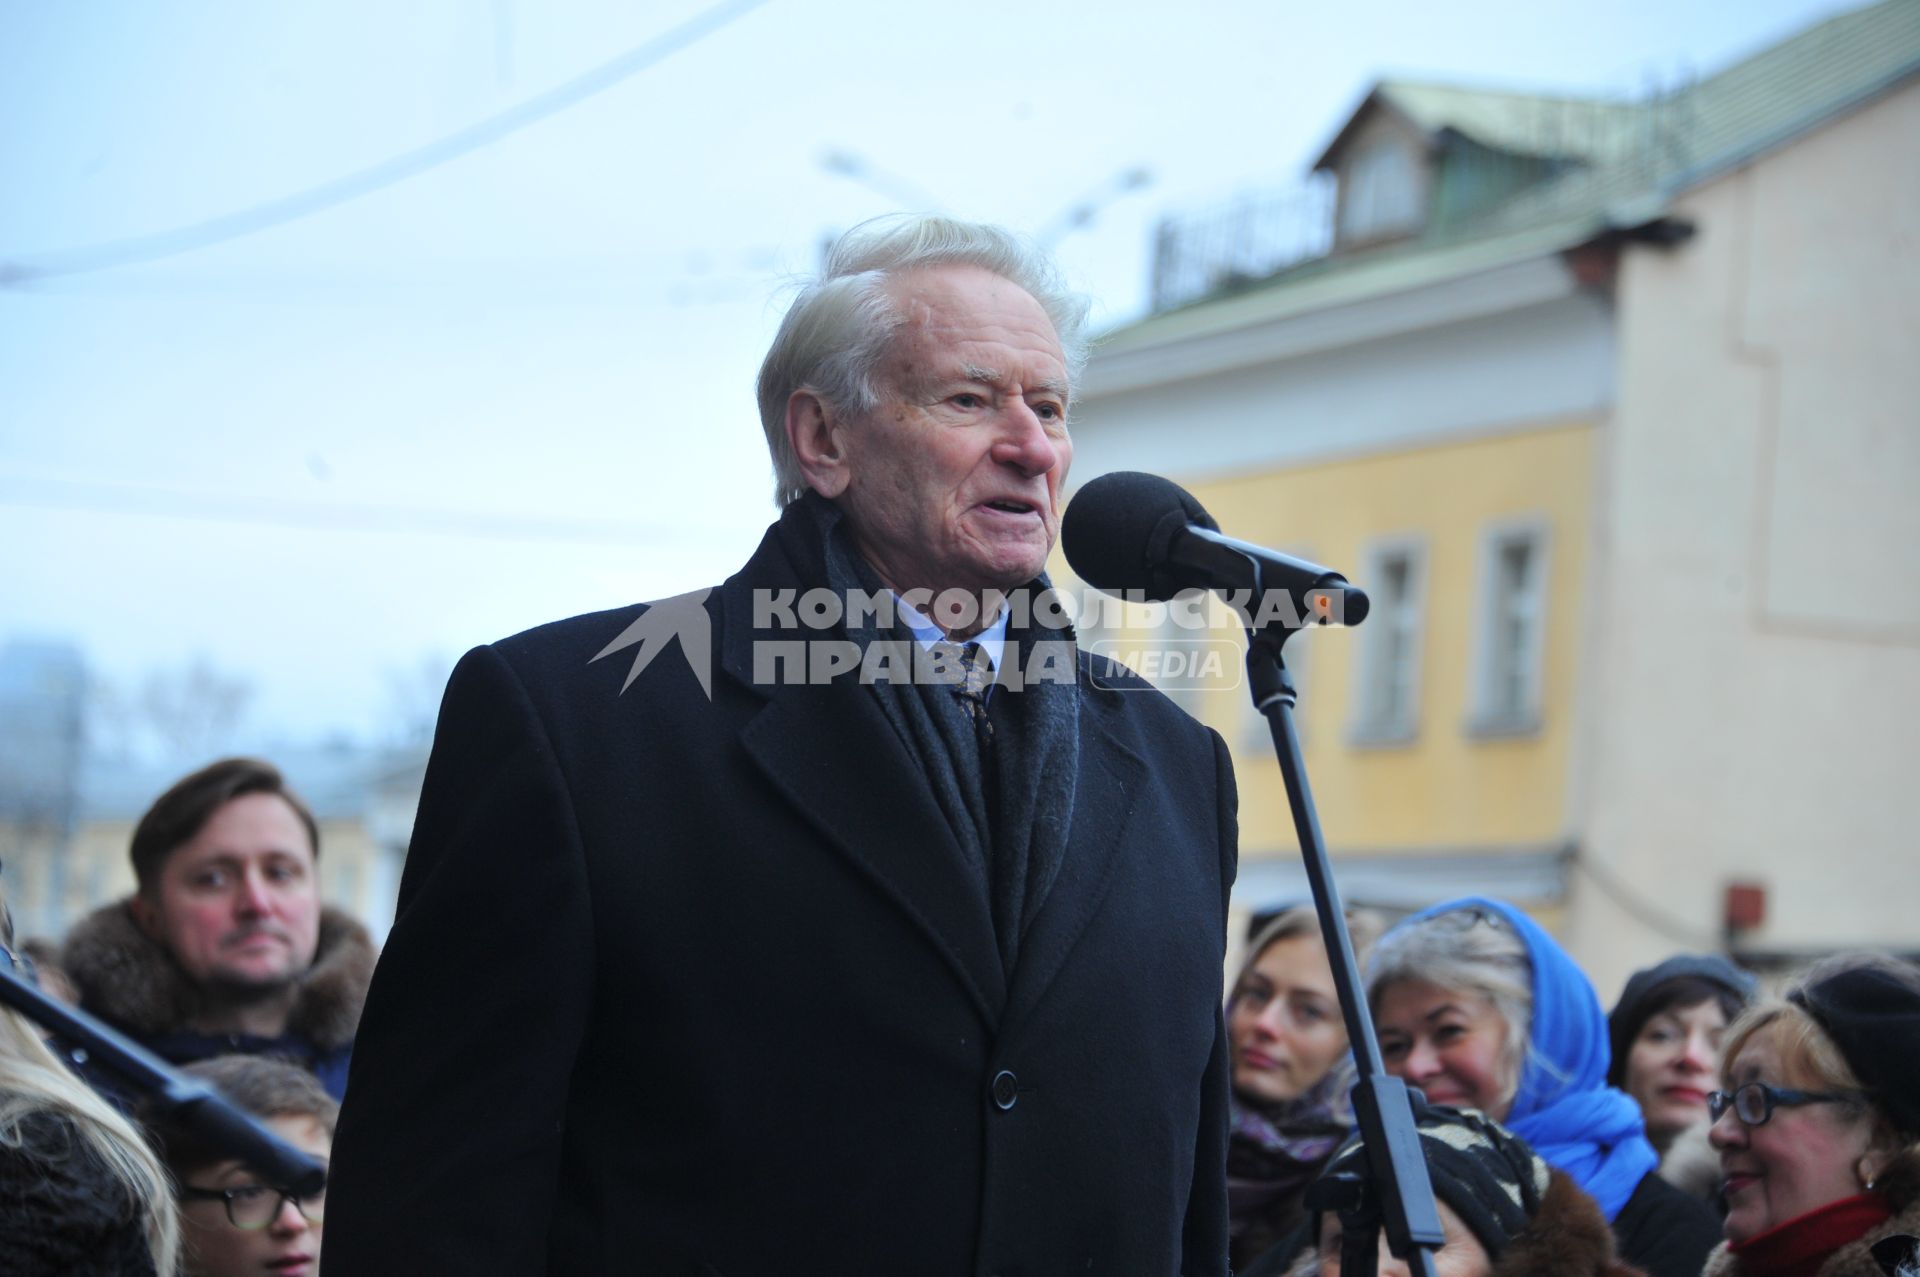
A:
x: 327, y: 516
x: 1640, y: 908
x: 230, y: 226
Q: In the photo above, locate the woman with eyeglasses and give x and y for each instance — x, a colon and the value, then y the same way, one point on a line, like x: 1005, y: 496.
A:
x: 1291, y: 1072
x: 80, y: 1193
x: 1818, y: 1126
x: 1479, y: 1008
x: 238, y: 1225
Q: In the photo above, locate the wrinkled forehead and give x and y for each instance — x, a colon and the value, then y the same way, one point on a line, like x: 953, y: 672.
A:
x: 959, y: 306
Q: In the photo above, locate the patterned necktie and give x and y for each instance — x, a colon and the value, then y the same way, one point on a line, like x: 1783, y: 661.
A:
x: 976, y: 669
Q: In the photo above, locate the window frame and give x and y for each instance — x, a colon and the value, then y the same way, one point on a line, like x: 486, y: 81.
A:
x: 1487, y: 718
x: 1367, y: 725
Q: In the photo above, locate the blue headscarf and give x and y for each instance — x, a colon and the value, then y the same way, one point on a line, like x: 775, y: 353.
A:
x: 1564, y: 1107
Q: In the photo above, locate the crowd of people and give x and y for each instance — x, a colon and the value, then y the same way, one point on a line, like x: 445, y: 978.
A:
x: 1702, y: 1127
x: 734, y: 964
x: 1561, y: 1140
x: 226, y: 963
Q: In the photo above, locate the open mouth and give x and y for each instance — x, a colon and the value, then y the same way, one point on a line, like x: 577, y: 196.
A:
x: 1012, y: 506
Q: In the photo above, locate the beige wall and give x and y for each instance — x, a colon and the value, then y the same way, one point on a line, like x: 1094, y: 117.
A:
x: 1757, y: 626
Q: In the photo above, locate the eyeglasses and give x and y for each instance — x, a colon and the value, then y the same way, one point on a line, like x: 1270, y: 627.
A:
x: 1753, y: 1102
x: 1467, y: 918
x: 253, y: 1206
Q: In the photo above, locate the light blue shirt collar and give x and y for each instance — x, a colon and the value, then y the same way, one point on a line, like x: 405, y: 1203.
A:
x: 993, y: 639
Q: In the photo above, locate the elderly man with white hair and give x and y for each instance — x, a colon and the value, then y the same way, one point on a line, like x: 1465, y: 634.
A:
x: 871, y: 929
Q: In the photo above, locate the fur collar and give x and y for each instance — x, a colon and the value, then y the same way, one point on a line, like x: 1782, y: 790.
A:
x: 1900, y: 1183
x: 132, y: 981
x: 1568, y: 1237
x: 1692, y: 1164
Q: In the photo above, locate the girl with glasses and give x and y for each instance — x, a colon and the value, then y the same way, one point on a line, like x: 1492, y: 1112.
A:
x: 1817, y: 1122
x: 237, y: 1224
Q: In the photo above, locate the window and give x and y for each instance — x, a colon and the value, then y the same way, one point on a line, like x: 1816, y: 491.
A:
x: 1507, y: 668
x: 1386, y: 699
x: 1381, y: 193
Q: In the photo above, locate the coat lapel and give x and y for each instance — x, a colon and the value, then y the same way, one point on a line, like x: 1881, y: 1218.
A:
x: 829, y: 749
x: 1111, y: 776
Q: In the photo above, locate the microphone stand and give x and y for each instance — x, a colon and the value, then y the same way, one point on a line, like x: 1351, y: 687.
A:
x: 187, y: 1100
x: 1397, y: 1191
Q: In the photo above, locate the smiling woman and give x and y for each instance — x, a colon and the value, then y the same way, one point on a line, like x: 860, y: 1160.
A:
x: 1818, y: 1126
x: 1478, y: 1007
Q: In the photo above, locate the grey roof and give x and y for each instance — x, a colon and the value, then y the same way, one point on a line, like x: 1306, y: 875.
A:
x: 1628, y: 162
x: 1522, y: 123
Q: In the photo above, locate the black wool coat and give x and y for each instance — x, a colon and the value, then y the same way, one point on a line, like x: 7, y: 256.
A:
x: 699, y: 985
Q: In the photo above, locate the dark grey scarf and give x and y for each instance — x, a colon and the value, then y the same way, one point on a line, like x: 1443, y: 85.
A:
x: 1009, y: 804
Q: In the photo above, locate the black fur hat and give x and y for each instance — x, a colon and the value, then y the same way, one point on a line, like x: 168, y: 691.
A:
x: 1870, y: 1007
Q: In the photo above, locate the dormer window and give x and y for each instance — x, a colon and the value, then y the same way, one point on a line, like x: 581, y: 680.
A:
x: 1380, y: 195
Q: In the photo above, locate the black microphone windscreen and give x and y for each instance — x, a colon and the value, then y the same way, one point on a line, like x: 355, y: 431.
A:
x: 1117, y: 528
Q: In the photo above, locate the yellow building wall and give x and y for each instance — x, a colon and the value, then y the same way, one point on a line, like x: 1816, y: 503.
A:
x: 1445, y: 789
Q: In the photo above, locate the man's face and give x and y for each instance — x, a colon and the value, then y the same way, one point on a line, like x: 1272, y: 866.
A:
x: 954, y: 481
x: 238, y: 905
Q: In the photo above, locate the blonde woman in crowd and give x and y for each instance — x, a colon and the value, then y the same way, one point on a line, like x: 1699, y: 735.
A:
x: 80, y: 1194
x: 1291, y: 1074
x: 1480, y: 1008
x: 1818, y: 1127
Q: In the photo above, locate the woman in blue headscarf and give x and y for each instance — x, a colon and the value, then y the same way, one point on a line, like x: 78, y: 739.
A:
x: 1480, y: 1008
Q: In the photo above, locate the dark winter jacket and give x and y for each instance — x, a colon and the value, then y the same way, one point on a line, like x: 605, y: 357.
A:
x: 61, y: 1213
x: 1666, y: 1231
x: 129, y: 980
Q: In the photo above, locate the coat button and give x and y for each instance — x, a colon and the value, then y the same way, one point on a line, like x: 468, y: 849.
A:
x: 1005, y: 1090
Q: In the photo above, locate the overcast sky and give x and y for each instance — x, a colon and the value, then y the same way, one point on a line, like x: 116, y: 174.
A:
x: 519, y: 385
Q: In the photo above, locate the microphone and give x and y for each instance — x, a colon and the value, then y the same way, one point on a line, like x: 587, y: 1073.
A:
x: 1139, y: 535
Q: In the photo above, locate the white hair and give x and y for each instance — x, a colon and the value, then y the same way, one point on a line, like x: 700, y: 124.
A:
x: 843, y: 322
x: 1465, y: 951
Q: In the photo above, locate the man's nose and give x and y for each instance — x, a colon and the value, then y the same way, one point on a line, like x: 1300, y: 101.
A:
x: 1025, y: 443
x: 255, y: 897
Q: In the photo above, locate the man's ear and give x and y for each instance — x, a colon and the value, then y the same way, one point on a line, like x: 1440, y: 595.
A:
x: 145, y: 916
x: 817, y: 435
